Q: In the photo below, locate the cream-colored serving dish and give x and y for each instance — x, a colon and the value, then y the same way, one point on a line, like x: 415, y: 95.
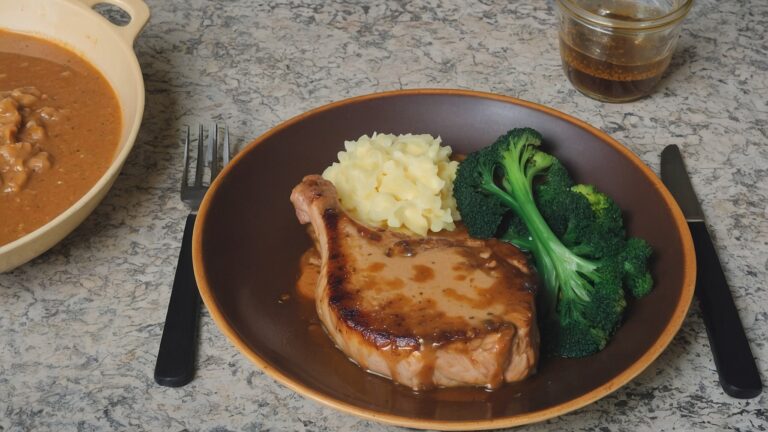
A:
x: 74, y: 24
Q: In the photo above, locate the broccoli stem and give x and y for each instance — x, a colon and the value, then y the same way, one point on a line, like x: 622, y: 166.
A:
x: 562, y: 270
x: 525, y: 244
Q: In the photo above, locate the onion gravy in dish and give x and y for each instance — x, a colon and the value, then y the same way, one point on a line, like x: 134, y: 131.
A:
x: 60, y: 126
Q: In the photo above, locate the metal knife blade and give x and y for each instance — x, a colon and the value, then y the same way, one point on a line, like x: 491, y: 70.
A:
x: 735, y: 364
x: 675, y: 177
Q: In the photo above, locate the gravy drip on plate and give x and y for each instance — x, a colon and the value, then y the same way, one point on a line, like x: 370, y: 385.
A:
x: 60, y: 124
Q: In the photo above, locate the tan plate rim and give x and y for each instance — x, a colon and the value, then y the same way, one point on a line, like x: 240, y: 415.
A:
x: 632, y: 371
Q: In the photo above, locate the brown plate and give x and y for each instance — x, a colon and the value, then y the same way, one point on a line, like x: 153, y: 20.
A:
x: 247, y: 243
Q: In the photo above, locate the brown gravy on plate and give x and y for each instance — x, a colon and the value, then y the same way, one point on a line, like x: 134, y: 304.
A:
x: 60, y: 125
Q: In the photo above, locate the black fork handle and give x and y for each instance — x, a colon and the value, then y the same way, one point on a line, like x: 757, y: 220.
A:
x: 175, y: 365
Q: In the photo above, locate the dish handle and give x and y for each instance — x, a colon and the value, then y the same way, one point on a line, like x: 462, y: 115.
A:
x: 138, y: 11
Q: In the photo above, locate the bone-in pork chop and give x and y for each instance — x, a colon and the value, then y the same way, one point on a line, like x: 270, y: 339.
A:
x: 436, y: 311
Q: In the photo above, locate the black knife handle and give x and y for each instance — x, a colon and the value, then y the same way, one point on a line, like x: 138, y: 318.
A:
x: 175, y: 365
x: 730, y: 347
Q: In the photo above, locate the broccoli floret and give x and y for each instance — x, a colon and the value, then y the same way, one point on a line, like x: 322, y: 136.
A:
x: 637, y: 277
x: 557, y: 204
x: 599, y: 232
x: 484, y: 211
x: 588, y: 333
x: 599, y: 202
x: 574, y: 233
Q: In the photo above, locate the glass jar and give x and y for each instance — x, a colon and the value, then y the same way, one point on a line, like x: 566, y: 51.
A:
x: 617, y: 50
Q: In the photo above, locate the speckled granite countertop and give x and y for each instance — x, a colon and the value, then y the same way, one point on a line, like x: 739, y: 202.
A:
x: 80, y: 326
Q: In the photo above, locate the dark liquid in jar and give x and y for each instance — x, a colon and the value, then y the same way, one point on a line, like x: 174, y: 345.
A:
x: 617, y: 77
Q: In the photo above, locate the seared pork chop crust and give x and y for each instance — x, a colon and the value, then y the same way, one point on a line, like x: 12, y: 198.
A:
x: 441, y: 310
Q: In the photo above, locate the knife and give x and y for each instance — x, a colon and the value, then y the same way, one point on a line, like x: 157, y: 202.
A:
x: 730, y: 347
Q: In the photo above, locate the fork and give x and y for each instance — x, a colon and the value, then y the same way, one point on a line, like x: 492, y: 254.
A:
x: 175, y: 365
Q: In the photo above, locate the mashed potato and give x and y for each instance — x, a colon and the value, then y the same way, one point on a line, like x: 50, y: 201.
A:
x: 403, y: 181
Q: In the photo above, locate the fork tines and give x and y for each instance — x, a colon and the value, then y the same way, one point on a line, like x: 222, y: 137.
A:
x: 207, y: 159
